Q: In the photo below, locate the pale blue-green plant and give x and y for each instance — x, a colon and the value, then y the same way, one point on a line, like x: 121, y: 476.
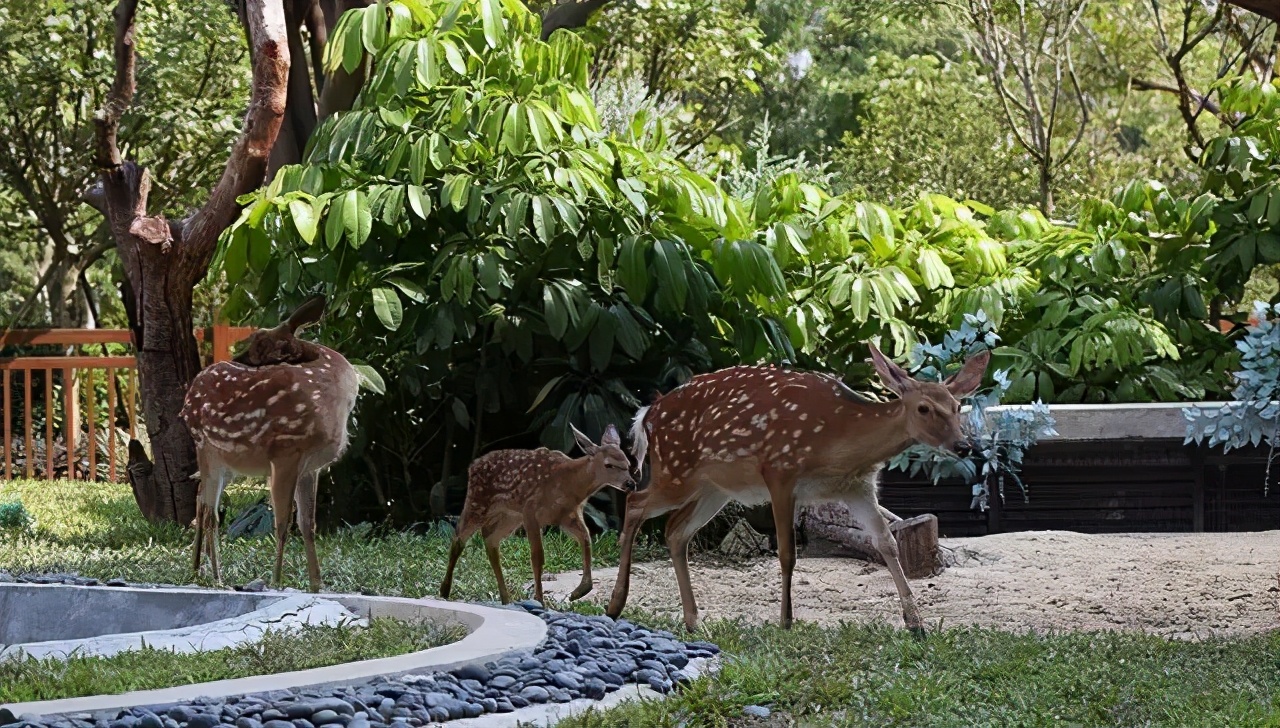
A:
x: 1254, y: 415
x: 997, y: 440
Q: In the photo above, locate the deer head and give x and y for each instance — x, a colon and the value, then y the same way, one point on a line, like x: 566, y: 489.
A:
x: 609, y: 464
x: 932, y: 409
x: 280, y: 345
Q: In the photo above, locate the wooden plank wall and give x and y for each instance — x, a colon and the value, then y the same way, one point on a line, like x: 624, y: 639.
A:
x: 1107, y: 488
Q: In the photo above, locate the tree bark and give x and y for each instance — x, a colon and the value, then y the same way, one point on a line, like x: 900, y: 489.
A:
x: 163, y: 260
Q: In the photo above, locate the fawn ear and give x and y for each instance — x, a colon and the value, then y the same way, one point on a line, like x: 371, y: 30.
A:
x: 306, y: 314
x: 969, y: 378
x: 894, y: 377
x: 611, y: 436
x: 583, y: 441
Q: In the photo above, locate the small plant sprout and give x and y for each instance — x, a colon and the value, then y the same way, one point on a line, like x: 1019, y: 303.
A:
x: 997, y: 441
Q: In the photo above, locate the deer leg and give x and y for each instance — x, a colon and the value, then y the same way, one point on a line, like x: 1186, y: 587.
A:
x: 577, y: 528
x: 213, y: 478
x: 491, y: 543
x: 534, y: 531
x: 868, y: 515
x: 782, y: 498
x: 284, y: 477
x: 305, y: 497
x: 465, y: 529
x: 681, y: 526
x: 637, y: 505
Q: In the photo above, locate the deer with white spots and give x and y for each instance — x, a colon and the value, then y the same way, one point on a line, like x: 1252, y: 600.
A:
x: 278, y: 410
x: 507, y: 489
x: 759, y: 435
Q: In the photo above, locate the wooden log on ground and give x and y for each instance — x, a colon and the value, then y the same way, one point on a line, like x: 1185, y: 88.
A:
x: 917, y: 537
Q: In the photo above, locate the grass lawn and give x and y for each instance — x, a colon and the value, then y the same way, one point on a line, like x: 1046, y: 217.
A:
x: 810, y: 675
x: 311, y: 646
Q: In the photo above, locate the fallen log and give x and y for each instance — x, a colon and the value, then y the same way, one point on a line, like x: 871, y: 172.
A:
x: 917, y: 537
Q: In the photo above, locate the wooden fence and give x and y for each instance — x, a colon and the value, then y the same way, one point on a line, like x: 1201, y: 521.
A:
x: 47, y: 382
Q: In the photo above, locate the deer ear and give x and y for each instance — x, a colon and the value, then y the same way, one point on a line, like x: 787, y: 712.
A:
x: 969, y: 378
x: 583, y: 441
x: 894, y: 377
x: 306, y: 314
x: 611, y: 436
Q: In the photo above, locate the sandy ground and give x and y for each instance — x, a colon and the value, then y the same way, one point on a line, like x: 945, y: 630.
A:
x: 1177, y: 585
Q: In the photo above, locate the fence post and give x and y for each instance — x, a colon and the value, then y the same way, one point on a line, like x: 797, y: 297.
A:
x: 221, y: 342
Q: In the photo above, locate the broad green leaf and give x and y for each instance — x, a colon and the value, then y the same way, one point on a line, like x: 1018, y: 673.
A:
x: 352, y: 45
x: 428, y: 68
x: 454, y: 56
x: 304, y: 219
x: 456, y: 190
x: 411, y: 290
x: 259, y: 250
x: 542, y: 393
x: 633, y: 271
x: 419, y: 201
x: 491, y: 20
x: 555, y: 312
x: 386, y: 304
x: 236, y: 260
x: 357, y: 218
x: 673, y: 283
x: 335, y: 224
x: 370, y: 379
x: 544, y: 224
x: 374, y: 31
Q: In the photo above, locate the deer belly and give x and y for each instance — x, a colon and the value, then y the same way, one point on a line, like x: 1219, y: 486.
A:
x: 836, y: 489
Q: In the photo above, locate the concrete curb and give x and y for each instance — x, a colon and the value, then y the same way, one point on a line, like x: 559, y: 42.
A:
x: 493, y: 633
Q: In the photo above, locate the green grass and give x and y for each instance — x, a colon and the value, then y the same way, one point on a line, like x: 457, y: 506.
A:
x: 311, y: 646
x: 813, y: 676
x: 96, y: 530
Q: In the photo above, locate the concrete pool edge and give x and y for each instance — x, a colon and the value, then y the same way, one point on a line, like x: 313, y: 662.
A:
x: 492, y: 633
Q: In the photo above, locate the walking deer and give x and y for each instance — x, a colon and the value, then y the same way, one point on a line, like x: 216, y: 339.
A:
x: 507, y: 489
x: 278, y: 410
x: 766, y: 435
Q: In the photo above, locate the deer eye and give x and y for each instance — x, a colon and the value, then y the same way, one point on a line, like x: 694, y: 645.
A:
x: 923, y: 409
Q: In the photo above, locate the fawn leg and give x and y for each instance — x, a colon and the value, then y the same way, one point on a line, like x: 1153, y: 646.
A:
x: 491, y: 542
x: 465, y: 529
x: 305, y: 497
x: 212, y: 481
x: 534, y: 531
x: 637, y: 504
x: 577, y: 528
x: 867, y: 514
x: 782, y: 498
x: 681, y: 526
x: 284, y: 477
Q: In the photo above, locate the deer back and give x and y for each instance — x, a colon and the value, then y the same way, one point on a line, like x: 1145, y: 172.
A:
x: 752, y: 417
x: 253, y: 415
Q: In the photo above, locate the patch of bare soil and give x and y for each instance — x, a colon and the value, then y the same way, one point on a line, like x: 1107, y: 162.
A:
x: 1177, y: 585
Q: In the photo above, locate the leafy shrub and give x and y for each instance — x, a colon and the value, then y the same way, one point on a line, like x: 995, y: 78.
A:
x: 14, y: 517
x: 1254, y: 416
x: 998, y: 440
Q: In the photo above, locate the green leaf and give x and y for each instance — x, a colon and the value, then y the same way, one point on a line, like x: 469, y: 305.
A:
x: 374, y: 32
x: 673, y: 283
x: 304, y: 219
x: 555, y: 312
x: 418, y: 159
x: 352, y: 47
x: 542, y: 393
x: 419, y: 201
x: 386, y: 304
x: 259, y: 250
x: 633, y: 271
x: 411, y: 290
x: 370, y: 379
x: 491, y: 19
x: 600, y: 343
x: 456, y: 190
x: 543, y: 222
x: 428, y: 68
x: 454, y: 56
x: 357, y: 217
x: 236, y: 260
x: 335, y: 223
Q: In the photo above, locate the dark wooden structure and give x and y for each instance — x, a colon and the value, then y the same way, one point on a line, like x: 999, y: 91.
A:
x: 1110, y: 486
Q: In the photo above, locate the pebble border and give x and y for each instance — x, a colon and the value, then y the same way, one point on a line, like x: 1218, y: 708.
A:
x: 582, y: 657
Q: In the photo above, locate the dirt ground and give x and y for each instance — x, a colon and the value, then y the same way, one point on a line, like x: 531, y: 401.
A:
x: 1177, y: 585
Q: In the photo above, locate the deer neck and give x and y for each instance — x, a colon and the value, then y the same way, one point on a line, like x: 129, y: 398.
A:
x: 875, y: 432
x: 577, y: 479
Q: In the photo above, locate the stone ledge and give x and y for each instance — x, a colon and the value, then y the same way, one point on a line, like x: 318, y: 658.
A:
x: 493, y: 633
x: 1144, y: 421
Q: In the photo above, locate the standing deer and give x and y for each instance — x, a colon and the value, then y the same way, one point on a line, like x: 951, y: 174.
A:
x: 280, y: 409
x: 766, y: 435
x: 507, y: 489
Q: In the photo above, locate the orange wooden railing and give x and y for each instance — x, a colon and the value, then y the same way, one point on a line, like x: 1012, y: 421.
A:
x: 72, y: 366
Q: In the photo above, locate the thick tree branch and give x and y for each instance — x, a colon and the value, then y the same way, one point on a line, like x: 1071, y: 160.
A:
x: 569, y: 14
x: 1144, y: 85
x: 121, y: 95
x: 247, y: 164
x: 1269, y: 9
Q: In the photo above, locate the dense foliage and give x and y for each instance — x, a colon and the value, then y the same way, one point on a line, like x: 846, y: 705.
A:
x: 504, y: 266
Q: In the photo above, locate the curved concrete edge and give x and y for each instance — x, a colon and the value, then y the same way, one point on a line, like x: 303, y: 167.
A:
x: 548, y: 714
x: 493, y: 633
x: 283, y: 615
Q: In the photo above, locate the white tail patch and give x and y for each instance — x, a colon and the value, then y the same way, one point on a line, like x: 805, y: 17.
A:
x: 639, y: 440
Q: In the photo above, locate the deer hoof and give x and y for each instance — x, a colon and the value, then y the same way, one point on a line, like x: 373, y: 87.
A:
x: 580, y: 592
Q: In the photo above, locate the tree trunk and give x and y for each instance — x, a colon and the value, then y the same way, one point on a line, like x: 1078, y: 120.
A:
x: 163, y: 261
x: 1046, y: 191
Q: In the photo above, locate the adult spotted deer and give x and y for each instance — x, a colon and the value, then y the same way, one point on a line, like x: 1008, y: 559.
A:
x: 507, y: 489
x: 280, y: 410
x: 766, y: 435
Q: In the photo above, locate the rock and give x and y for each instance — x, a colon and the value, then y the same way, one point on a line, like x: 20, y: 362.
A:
x: 594, y: 688
x: 743, y: 541
x: 248, y: 723
x: 471, y: 672
x: 324, y: 717
x: 299, y: 710
x: 151, y: 720
x: 502, y: 682
x: 277, y: 724
x: 199, y: 720
x: 757, y: 711
x: 257, y: 585
x: 535, y: 694
x: 567, y: 680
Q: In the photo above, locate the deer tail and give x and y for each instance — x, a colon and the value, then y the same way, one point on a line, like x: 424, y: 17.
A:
x: 639, y: 440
